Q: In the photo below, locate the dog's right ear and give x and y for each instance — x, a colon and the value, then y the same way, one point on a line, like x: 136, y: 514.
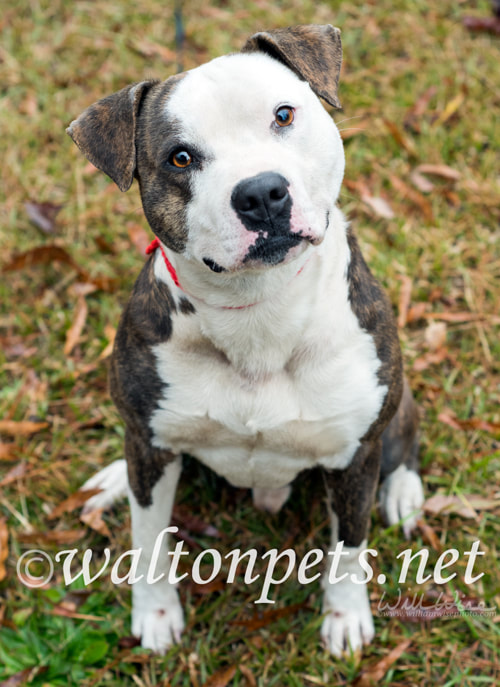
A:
x: 105, y: 132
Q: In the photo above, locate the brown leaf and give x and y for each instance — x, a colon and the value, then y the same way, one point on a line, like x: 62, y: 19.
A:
x: 485, y: 24
x: 264, y: 618
x: 43, y: 215
x: 74, y: 332
x: 221, y: 677
x: 449, y: 418
x: 416, y: 312
x: 93, y: 519
x: 429, y: 535
x: 46, y: 255
x: 7, y: 452
x: 459, y: 317
x: 465, y: 505
x: 401, y: 139
x: 53, y: 537
x: 139, y: 237
x: 4, y: 547
x: 15, y: 473
x: 21, y: 429
x: 421, y: 183
x: 373, y: 675
x: 442, y: 171
x: 414, y: 196
x: 206, y: 588
x: 64, y: 612
x: 17, y: 679
x: 404, y: 300
x: 379, y: 205
x: 76, y: 500
x: 432, y: 358
x: 149, y: 49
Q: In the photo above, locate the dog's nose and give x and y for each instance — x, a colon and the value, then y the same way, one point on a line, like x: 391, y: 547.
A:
x: 262, y: 198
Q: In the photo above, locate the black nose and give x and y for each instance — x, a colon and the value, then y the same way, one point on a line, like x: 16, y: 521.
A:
x: 262, y: 199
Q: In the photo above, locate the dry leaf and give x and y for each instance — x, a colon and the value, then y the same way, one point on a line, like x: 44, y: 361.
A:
x: 373, y: 675
x: 404, y: 300
x: 421, y: 183
x: 435, y: 335
x: 21, y: 429
x: 419, y: 109
x: 4, y: 547
x: 93, y: 519
x: 432, y: 358
x: 61, y: 537
x: 206, y: 588
x: 148, y: 49
x: 465, y: 505
x: 43, y: 215
x: 74, y: 332
x: 414, y: 196
x: 429, y: 535
x: 442, y: 171
x: 46, y: 255
x: 451, y: 108
x: 183, y: 517
x: 15, y: 473
x: 416, y: 312
x: 448, y: 417
x: 248, y: 675
x: 485, y: 24
x: 7, y: 452
x: 64, y: 612
x: 221, y: 677
x: 401, y: 139
x: 380, y: 206
x: 17, y: 679
x: 76, y: 500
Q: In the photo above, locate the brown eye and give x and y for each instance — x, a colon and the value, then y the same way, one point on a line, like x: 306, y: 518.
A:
x: 284, y: 116
x: 181, y: 159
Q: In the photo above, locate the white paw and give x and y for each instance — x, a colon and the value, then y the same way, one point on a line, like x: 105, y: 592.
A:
x: 348, y: 623
x: 159, y: 628
x: 401, y: 498
x: 270, y: 499
x: 112, y: 480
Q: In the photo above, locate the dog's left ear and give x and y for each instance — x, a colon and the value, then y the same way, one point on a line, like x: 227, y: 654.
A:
x: 313, y: 52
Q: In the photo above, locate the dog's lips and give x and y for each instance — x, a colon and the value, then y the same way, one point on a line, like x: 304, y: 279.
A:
x: 214, y: 266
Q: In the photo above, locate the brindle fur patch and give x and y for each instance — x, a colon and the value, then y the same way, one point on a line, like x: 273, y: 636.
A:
x: 314, y: 53
x: 134, y: 383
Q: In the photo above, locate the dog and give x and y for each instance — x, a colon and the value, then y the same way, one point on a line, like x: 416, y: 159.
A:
x: 256, y: 338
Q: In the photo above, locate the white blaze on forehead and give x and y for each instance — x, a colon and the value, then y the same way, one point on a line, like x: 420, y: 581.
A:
x: 237, y: 90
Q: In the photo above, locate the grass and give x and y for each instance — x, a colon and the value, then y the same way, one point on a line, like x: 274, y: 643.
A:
x: 55, y: 59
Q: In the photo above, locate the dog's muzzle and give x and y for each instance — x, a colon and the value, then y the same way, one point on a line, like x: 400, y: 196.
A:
x: 264, y: 206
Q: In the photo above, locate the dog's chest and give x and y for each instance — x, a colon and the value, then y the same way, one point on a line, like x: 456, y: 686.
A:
x: 262, y: 432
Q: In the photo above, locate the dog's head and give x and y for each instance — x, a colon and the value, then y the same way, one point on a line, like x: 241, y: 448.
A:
x: 239, y: 164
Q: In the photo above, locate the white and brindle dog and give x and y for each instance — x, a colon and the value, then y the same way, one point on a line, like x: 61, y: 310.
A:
x: 256, y: 338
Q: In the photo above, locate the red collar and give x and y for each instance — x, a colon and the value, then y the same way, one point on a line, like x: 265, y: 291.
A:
x: 171, y: 270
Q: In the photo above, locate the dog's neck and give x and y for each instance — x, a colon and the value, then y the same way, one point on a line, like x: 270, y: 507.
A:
x: 259, y: 318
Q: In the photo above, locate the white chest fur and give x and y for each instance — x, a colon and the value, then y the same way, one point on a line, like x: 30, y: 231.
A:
x: 306, y: 394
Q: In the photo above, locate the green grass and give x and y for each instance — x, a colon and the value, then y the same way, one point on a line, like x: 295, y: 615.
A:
x: 55, y: 59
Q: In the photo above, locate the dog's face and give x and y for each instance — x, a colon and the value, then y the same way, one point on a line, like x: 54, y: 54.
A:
x: 242, y: 147
x: 239, y: 165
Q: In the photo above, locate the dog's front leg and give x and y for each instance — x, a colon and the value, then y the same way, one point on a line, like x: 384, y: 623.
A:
x: 157, y: 615
x: 348, y: 623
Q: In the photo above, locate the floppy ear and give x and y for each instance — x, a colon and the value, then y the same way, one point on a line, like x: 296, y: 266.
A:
x: 105, y: 133
x: 313, y: 52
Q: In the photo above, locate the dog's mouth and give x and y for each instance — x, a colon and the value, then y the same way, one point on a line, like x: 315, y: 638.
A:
x: 213, y: 265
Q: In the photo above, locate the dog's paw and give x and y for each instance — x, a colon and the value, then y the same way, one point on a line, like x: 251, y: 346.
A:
x: 401, y: 498
x: 113, y: 482
x: 158, y: 628
x: 270, y: 499
x: 348, y: 622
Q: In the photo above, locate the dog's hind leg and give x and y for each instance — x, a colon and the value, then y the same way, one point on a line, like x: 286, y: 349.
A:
x: 401, y: 493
